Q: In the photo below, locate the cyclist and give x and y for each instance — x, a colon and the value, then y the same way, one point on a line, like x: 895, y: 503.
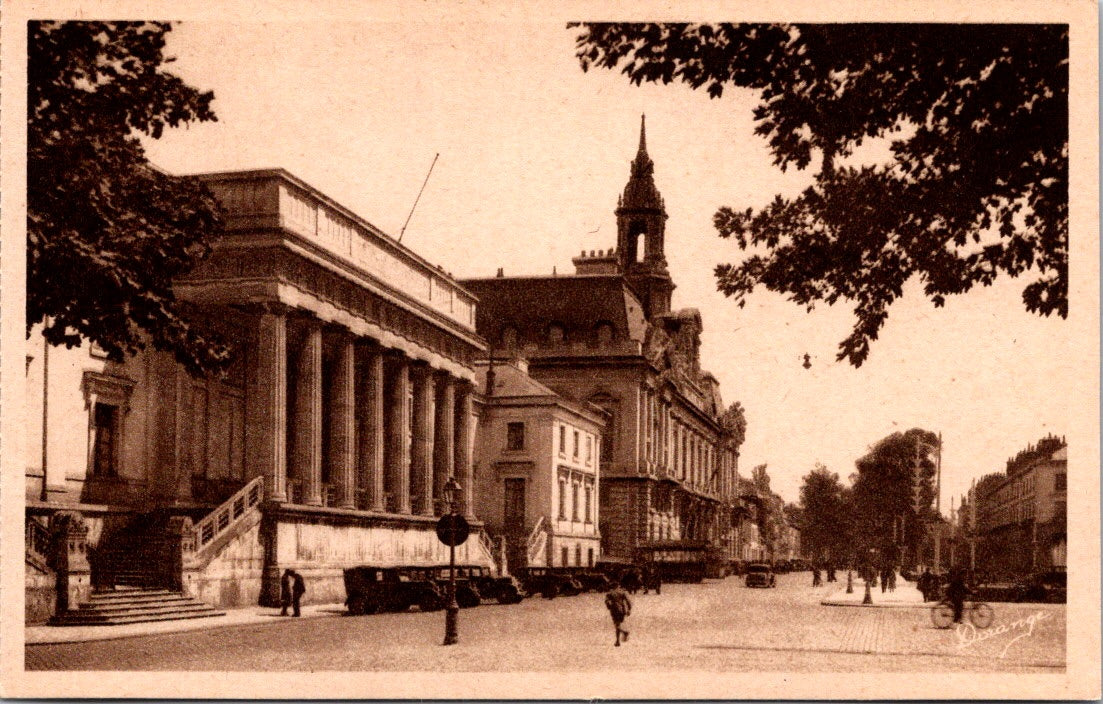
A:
x: 956, y: 591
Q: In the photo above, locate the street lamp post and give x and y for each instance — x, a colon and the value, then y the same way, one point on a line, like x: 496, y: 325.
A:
x: 452, y: 612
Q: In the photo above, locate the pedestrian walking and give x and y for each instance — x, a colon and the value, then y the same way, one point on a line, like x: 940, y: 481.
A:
x: 892, y: 579
x: 298, y: 588
x: 816, y: 576
x: 620, y: 607
x: 285, y: 590
x: 884, y: 580
x: 831, y: 572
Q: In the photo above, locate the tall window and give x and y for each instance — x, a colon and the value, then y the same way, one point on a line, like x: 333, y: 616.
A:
x: 590, y: 557
x: 563, y: 498
x: 106, y: 439
x: 1061, y: 481
x: 574, y: 502
x: 563, y: 556
x: 515, y: 436
x: 562, y: 440
x: 589, y: 500
x: 578, y: 555
x: 575, y: 453
x: 589, y: 449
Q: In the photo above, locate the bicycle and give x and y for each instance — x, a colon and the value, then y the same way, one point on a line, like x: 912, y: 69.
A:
x: 979, y: 613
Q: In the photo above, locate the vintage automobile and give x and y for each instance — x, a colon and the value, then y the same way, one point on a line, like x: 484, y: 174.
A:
x: 550, y: 582
x: 371, y: 590
x: 1049, y: 587
x: 624, y: 572
x: 467, y: 593
x: 759, y: 574
x: 590, y: 578
x: 505, y: 590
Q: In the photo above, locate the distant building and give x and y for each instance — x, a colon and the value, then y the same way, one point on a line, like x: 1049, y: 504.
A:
x: 1021, y: 516
x: 327, y: 444
x: 606, y: 336
x: 537, y: 461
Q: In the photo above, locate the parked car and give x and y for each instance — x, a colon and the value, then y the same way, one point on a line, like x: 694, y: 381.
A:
x: 371, y: 589
x: 549, y: 582
x: 1049, y: 587
x: 759, y: 574
x: 590, y: 579
x: 506, y: 590
x: 467, y: 593
x: 625, y: 572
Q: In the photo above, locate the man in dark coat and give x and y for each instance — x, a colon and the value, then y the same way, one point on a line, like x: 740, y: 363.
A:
x: 816, y: 580
x: 285, y: 590
x: 620, y: 606
x: 298, y: 588
x: 956, y: 591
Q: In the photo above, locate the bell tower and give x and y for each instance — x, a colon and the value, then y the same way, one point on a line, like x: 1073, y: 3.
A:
x: 641, y: 228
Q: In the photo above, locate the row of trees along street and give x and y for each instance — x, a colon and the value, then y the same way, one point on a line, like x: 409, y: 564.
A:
x: 885, y: 506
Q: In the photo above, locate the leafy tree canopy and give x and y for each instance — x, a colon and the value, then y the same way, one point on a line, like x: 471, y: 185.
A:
x: 826, y: 515
x: 106, y: 232
x: 977, y: 184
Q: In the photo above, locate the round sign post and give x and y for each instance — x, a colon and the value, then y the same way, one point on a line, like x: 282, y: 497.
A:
x: 452, y: 530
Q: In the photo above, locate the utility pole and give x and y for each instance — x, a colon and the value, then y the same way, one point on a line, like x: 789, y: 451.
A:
x: 938, y: 505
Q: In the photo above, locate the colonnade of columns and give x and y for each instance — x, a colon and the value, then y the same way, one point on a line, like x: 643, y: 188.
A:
x: 365, y: 427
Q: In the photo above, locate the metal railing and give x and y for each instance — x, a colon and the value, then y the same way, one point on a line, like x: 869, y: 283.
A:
x: 38, y: 541
x: 228, y: 513
x: 537, y: 541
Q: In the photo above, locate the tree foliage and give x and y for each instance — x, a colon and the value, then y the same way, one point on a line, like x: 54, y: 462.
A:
x: 883, y: 491
x: 106, y: 232
x: 826, y: 515
x: 976, y: 185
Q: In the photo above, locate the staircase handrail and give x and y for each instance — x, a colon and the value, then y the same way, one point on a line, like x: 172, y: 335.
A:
x: 38, y: 542
x: 488, y: 548
x: 534, y: 536
x: 228, y: 513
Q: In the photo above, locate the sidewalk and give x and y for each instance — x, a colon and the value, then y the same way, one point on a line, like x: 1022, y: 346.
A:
x: 906, y: 595
x: 37, y: 635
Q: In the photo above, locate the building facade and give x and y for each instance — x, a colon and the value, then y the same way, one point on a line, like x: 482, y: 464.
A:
x: 607, y: 336
x: 1016, y: 523
x: 538, y: 475
x: 328, y: 442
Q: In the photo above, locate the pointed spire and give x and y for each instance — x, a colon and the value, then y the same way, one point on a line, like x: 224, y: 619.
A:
x: 643, y: 134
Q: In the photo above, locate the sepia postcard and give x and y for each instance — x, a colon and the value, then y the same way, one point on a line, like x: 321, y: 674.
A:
x: 533, y: 350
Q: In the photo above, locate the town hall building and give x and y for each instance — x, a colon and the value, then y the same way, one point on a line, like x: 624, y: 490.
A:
x: 606, y: 336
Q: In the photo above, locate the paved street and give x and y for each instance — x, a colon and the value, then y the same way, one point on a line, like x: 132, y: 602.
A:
x: 719, y: 625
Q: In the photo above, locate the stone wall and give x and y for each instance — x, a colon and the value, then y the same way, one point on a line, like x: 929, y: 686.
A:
x: 40, y: 595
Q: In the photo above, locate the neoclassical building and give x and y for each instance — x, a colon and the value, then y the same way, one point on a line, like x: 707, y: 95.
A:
x: 327, y: 443
x: 606, y: 336
x: 538, y: 465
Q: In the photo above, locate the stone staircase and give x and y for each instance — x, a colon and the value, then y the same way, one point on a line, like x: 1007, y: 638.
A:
x: 126, y: 604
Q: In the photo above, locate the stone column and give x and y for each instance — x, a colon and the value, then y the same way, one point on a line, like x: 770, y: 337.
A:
x: 444, y: 451
x: 398, y: 436
x: 370, y: 454
x: 267, y: 409
x: 308, y: 415
x: 342, y: 424
x: 464, y: 434
x: 421, y: 450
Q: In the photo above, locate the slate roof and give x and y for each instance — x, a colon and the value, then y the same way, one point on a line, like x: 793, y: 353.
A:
x: 578, y: 303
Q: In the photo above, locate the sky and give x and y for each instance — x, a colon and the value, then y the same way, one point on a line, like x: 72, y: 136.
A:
x: 533, y: 154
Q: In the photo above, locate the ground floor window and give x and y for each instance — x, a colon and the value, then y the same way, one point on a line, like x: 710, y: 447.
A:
x: 563, y: 556
x: 590, y: 557
x: 578, y: 555
x: 105, y: 439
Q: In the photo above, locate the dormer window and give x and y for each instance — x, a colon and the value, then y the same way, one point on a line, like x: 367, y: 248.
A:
x: 556, y: 334
x: 604, y: 334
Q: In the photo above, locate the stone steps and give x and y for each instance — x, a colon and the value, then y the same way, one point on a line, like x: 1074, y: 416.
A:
x: 134, y: 605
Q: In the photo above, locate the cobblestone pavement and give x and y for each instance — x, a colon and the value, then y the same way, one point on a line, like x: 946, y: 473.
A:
x: 718, y: 625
